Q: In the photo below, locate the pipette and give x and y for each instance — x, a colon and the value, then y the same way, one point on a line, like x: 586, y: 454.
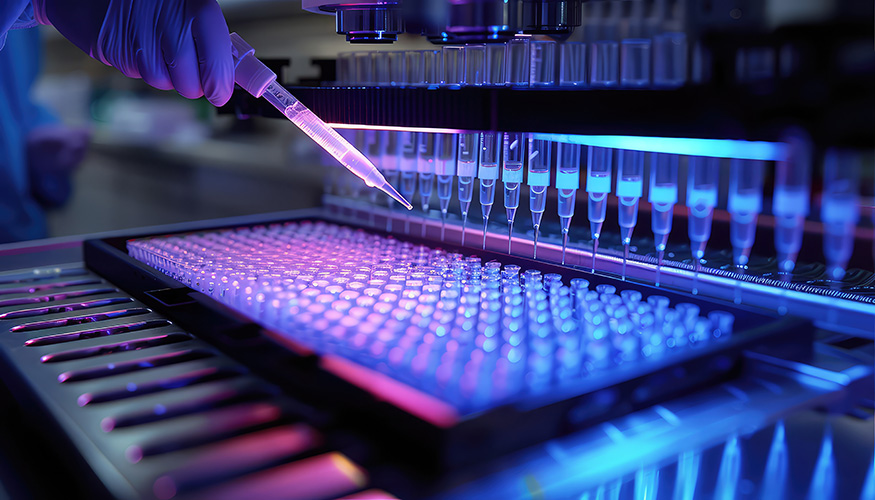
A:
x: 518, y: 72
x: 453, y: 73
x: 431, y: 75
x: 567, y: 183
x: 490, y: 142
x: 445, y: 168
x: 490, y: 152
x: 539, y: 179
x: 630, y: 187
x: 408, y: 144
x: 467, y: 168
x: 702, y: 186
x: 745, y: 205
x: 258, y: 80
x: 598, y: 185
x: 469, y: 144
x: 512, y: 176
x: 790, y: 204
x: 840, y: 209
x: 663, y: 196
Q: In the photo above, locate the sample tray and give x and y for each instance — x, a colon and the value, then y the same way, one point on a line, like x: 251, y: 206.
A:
x: 500, y: 360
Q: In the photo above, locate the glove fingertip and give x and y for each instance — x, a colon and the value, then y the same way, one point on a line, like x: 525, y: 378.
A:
x: 218, y: 89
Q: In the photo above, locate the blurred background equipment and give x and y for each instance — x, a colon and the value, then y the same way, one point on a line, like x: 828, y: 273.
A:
x: 684, y: 309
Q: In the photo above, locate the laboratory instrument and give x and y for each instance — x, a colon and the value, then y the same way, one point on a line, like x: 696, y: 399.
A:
x: 745, y: 204
x: 260, y: 81
x: 598, y: 186
x: 663, y: 196
x: 517, y: 68
x: 538, y: 162
x: 630, y: 188
x: 326, y: 353
x: 703, y: 183
x: 567, y: 184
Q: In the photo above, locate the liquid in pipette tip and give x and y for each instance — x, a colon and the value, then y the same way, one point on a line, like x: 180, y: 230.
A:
x: 625, y: 258
x: 509, y: 234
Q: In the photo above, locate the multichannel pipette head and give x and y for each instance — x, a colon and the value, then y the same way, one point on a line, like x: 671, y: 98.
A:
x: 258, y: 80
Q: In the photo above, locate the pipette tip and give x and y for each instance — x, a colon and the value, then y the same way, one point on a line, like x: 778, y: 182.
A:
x: 535, y: 245
x: 595, y: 249
x: 564, y: 245
x: 659, y: 256
x: 625, y: 258
x: 464, y: 223
x: 485, y: 223
x: 395, y: 195
x: 509, y: 235
x: 443, y: 223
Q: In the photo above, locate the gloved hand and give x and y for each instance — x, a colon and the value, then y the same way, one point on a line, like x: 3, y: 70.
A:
x: 53, y: 152
x: 181, y: 44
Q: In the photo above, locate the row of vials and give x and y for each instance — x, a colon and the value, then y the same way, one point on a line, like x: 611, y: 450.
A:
x: 427, y: 162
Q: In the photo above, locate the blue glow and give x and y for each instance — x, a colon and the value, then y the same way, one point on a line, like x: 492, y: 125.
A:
x: 714, y: 148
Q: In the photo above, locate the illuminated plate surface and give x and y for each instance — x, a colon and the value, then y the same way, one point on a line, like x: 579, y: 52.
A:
x: 473, y: 334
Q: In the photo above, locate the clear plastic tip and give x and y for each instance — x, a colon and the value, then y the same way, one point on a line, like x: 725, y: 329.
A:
x: 394, y: 194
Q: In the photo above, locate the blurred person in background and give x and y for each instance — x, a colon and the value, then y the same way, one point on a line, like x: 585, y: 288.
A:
x: 170, y: 44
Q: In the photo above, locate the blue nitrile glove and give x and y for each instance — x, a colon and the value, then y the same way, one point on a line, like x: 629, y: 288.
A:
x: 171, y: 44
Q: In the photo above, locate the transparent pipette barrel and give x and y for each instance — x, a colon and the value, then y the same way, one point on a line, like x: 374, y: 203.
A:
x: 426, y: 167
x: 567, y: 181
x: 630, y: 187
x: 467, y: 168
x: 453, y: 73
x: 840, y: 209
x: 663, y: 195
x: 431, y: 75
x: 745, y: 204
x: 328, y: 139
x: 635, y: 62
x: 260, y: 81
x: 702, y: 186
x: 512, y: 171
x: 445, y: 169
x: 598, y: 185
x: 490, y: 154
x: 538, y: 160
x: 790, y: 203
